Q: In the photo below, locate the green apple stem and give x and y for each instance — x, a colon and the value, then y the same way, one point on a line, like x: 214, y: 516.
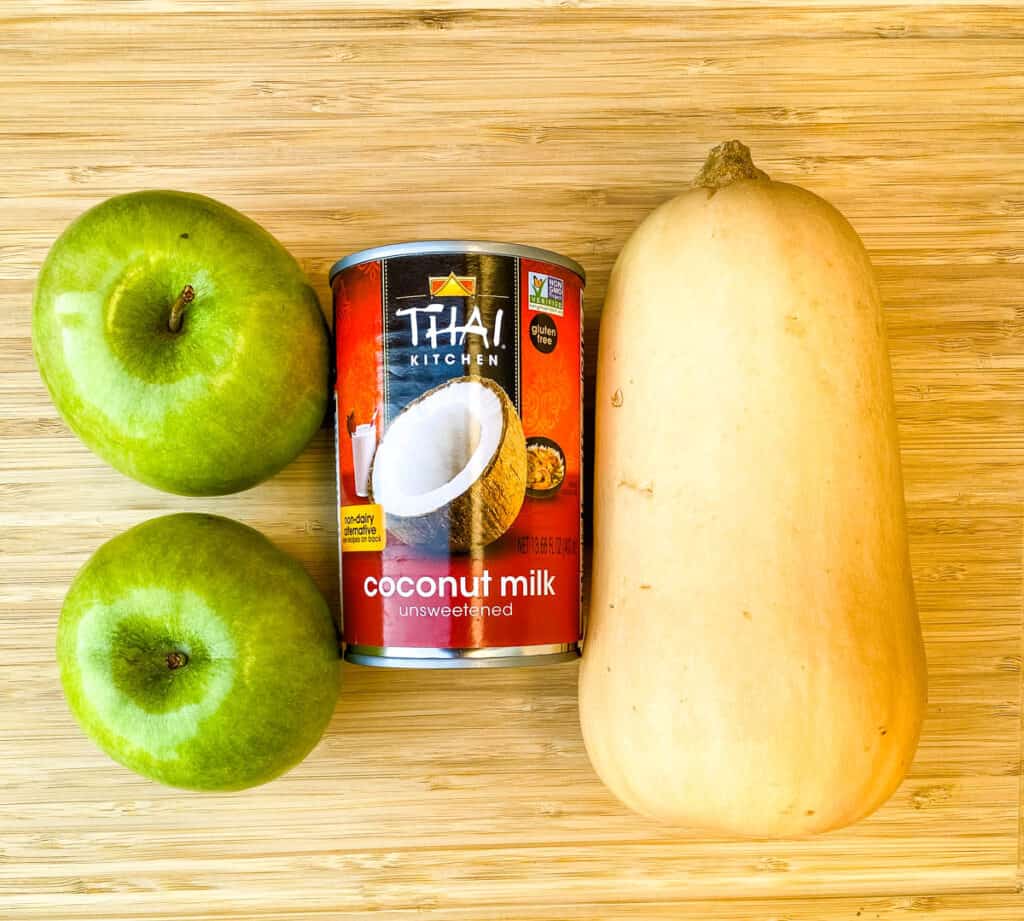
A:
x: 188, y: 294
x: 176, y: 660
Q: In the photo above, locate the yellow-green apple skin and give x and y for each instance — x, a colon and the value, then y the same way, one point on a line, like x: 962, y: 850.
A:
x: 214, y: 406
x: 196, y: 653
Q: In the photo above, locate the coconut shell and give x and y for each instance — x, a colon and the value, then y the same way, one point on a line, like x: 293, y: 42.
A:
x: 486, y: 510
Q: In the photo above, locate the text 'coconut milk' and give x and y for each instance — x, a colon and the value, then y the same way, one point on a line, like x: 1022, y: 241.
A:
x: 459, y: 431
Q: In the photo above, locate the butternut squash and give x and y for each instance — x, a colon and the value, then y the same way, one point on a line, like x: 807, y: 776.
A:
x: 753, y: 662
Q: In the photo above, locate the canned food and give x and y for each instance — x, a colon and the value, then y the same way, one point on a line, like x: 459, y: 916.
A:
x: 458, y: 436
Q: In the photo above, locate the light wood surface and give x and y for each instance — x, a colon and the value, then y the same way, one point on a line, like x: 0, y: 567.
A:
x: 469, y: 796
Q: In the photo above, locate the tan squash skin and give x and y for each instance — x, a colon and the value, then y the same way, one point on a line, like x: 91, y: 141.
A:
x: 753, y: 662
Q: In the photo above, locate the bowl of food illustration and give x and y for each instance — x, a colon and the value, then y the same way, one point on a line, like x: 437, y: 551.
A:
x: 545, y: 467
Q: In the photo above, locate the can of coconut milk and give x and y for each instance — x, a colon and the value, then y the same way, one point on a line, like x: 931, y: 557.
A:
x: 458, y: 436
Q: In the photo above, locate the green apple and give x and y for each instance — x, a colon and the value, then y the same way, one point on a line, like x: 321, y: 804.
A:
x: 181, y: 342
x: 196, y: 653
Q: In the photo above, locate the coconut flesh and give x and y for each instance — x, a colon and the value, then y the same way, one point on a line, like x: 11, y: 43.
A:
x: 451, y: 468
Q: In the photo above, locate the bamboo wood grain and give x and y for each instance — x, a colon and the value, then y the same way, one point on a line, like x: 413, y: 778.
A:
x: 469, y: 796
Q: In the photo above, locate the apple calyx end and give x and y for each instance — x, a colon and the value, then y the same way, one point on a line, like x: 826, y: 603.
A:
x: 188, y: 294
x: 176, y: 660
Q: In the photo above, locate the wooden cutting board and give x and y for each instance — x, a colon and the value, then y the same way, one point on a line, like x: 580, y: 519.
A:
x: 469, y: 796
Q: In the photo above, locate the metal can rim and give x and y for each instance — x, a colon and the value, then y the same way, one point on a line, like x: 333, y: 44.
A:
x: 442, y: 247
x: 447, y: 658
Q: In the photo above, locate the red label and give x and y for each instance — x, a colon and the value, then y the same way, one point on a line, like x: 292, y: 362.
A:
x: 459, y: 432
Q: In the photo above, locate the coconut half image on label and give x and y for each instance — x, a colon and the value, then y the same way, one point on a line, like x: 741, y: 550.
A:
x: 459, y: 462
x: 451, y: 469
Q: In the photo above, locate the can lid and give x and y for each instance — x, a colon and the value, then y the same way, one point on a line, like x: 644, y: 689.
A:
x: 440, y: 247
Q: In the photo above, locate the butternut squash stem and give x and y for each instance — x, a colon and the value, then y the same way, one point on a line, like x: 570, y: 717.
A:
x: 727, y: 163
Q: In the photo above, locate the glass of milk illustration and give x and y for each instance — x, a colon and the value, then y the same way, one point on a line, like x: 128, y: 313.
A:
x: 364, y: 444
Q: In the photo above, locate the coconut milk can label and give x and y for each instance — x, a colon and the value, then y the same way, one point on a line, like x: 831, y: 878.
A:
x: 459, y: 436
x: 545, y: 293
x: 543, y: 333
x: 362, y: 528
x: 448, y: 317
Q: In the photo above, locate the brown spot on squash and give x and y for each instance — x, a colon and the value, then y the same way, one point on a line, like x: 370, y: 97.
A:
x: 617, y: 398
x: 794, y: 327
x: 747, y: 615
